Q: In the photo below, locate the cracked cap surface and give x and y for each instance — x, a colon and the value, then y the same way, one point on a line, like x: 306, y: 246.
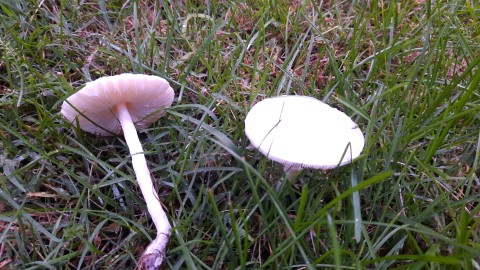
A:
x: 303, y: 132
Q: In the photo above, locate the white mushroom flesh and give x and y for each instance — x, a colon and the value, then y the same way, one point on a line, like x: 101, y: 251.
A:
x: 127, y: 102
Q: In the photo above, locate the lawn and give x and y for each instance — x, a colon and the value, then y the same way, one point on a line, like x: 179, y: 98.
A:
x: 408, y: 72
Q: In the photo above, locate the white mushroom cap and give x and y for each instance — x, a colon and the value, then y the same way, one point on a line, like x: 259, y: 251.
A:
x: 145, y: 96
x: 303, y: 132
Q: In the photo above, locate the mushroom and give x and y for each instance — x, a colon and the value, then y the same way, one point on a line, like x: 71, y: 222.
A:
x: 303, y: 132
x: 127, y: 102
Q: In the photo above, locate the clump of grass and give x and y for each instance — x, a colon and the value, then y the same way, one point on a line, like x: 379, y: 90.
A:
x: 407, y: 72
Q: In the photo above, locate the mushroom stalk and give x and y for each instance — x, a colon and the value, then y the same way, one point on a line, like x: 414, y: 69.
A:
x: 154, y: 254
x: 291, y: 170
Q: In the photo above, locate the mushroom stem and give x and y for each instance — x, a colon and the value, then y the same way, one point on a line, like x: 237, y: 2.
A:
x: 291, y: 170
x: 154, y: 254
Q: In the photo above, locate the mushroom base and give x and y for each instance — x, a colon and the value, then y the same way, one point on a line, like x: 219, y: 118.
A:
x: 153, y: 256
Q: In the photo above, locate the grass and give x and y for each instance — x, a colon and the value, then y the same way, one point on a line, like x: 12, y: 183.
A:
x: 406, y: 71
